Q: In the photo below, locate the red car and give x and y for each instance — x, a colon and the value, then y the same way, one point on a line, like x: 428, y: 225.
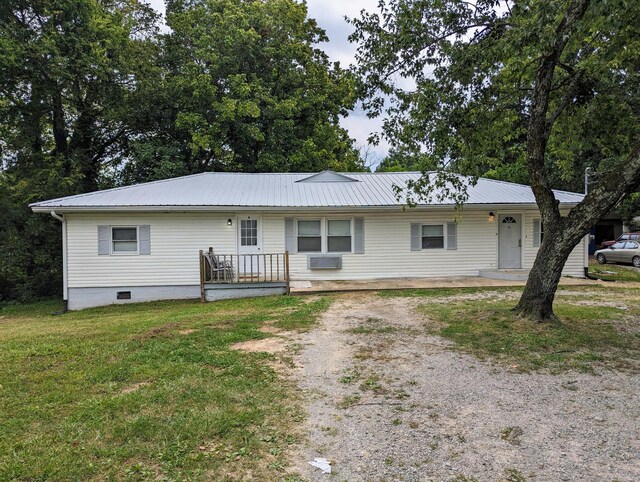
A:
x: 623, y: 237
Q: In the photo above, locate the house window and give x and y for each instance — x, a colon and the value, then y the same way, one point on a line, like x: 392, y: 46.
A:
x: 339, y: 236
x: 124, y: 240
x: 309, y: 236
x: 248, y: 232
x: 432, y: 236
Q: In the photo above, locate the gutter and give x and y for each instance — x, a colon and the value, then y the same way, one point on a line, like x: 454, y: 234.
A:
x: 65, y: 288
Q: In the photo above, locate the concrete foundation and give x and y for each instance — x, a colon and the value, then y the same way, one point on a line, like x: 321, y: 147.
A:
x: 80, y: 298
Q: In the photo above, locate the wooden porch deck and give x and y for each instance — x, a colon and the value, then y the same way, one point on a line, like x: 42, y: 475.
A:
x: 243, y: 270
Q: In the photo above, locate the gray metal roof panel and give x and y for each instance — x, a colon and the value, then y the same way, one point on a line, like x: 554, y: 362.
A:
x: 284, y: 191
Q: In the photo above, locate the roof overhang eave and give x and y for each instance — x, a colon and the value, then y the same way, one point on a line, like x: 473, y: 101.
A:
x: 71, y: 209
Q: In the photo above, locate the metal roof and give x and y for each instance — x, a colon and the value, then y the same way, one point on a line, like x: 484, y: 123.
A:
x: 211, y: 190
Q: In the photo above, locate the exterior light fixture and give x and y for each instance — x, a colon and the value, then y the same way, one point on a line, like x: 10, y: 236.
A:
x: 492, y: 216
x: 229, y: 222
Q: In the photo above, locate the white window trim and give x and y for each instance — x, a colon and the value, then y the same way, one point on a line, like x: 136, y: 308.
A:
x: 444, y: 236
x: 124, y: 253
x: 324, y: 233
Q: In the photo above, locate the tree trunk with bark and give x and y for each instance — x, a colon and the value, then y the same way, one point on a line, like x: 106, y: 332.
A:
x: 536, y: 302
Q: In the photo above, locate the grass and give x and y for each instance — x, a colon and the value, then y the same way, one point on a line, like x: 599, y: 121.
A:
x: 614, y: 272
x: 586, y: 336
x: 439, y: 292
x: 146, y: 391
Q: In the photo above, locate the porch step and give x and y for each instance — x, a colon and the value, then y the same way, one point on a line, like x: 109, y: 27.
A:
x: 224, y: 291
x: 505, y: 274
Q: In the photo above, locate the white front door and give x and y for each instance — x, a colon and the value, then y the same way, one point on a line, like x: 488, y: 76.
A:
x: 249, y: 246
x: 510, y: 241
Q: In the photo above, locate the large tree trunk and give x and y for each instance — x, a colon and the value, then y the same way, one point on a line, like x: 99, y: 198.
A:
x: 536, y: 302
x: 537, y: 298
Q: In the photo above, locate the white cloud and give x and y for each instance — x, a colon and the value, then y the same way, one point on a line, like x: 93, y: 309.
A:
x: 330, y: 15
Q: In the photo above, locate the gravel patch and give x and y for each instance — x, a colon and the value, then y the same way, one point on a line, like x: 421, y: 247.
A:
x: 388, y: 402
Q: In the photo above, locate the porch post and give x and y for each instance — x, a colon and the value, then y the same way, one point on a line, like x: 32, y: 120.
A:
x: 286, y: 270
x: 201, y: 263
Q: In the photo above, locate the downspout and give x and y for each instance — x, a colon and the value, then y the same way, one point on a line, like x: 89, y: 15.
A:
x: 65, y: 289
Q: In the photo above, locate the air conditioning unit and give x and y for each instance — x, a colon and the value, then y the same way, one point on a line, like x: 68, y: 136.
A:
x: 324, y: 262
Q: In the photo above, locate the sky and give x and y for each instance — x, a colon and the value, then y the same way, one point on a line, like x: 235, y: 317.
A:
x: 330, y: 16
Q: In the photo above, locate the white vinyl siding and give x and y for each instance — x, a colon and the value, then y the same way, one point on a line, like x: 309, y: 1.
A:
x: 388, y: 248
x: 176, y: 239
x: 574, y: 265
x: 388, y: 253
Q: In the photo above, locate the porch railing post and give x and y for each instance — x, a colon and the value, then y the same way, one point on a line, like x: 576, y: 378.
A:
x: 232, y: 268
x: 286, y: 271
x: 202, y: 277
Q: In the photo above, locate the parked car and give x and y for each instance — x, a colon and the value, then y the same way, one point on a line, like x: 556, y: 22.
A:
x: 620, y: 252
x: 622, y: 237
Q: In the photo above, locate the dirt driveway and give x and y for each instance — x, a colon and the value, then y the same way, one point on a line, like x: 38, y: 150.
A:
x: 388, y: 402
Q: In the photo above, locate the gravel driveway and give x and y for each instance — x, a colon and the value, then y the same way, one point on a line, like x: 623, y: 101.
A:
x: 388, y: 402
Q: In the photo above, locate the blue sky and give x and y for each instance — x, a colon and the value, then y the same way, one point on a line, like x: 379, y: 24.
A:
x: 330, y: 16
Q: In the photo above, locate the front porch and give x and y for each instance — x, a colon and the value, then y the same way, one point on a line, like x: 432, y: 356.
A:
x: 226, y: 276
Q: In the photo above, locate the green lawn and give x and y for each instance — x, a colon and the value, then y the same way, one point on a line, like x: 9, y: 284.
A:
x: 614, y: 272
x: 598, y: 328
x: 146, y: 391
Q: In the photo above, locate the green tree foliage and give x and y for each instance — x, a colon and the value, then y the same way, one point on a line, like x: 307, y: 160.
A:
x: 398, y: 160
x: 245, y: 89
x: 508, y: 87
x: 69, y: 76
x: 93, y: 95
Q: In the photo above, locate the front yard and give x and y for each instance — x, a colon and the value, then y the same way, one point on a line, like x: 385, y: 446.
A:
x: 149, y: 391
x: 614, y: 272
x: 411, y: 385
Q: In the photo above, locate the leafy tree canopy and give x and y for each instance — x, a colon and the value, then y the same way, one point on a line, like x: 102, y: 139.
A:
x: 468, y: 69
x: 245, y: 89
x: 398, y: 160
x: 495, y: 86
x: 93, y: 95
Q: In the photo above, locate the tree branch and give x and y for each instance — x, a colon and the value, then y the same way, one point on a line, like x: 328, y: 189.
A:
x: 566, y: 99
x: 539, y: 129
x: 604, y: 195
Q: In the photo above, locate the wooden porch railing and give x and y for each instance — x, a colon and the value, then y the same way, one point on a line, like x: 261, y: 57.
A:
x: 243, y: 268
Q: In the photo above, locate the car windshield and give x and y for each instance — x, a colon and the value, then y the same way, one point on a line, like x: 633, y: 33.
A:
x: 618, y: 246
x: 623, y: 237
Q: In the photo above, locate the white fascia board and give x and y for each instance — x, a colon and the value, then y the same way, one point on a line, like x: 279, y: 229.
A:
x: 74, y: 209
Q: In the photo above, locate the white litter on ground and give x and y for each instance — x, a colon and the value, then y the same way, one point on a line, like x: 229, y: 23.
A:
x: 322, y: 464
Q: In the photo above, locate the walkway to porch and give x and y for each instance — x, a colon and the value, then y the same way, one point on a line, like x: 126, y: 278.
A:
x: 318, y: 286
